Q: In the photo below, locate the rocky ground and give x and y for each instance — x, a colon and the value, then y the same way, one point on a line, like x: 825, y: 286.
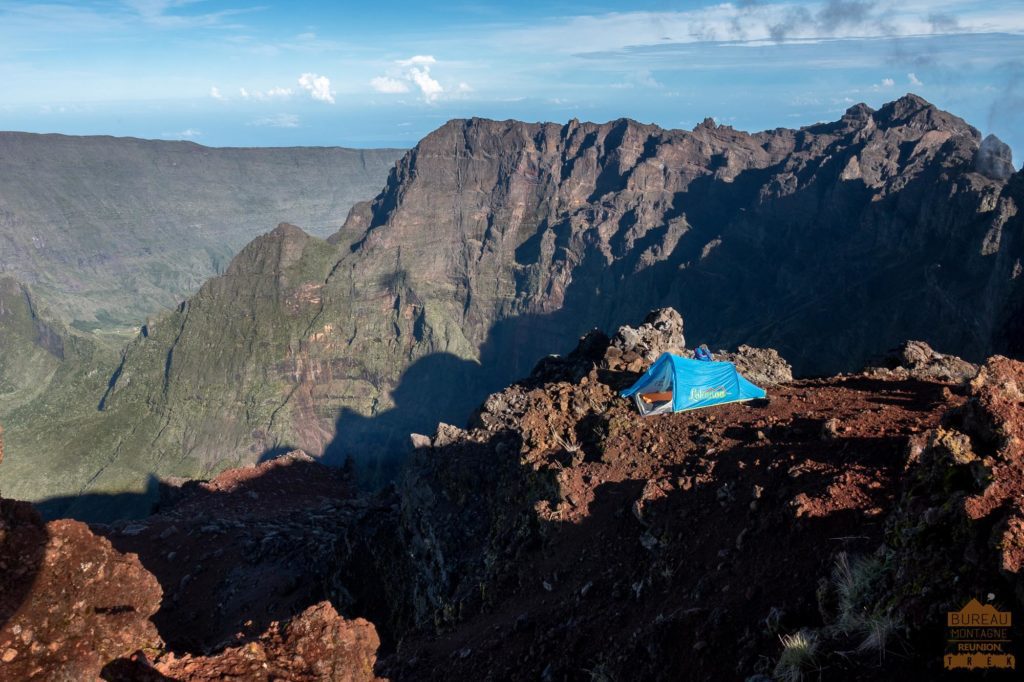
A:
x: 678, y: 547
x: 230, y: 579
x: 821, y: 533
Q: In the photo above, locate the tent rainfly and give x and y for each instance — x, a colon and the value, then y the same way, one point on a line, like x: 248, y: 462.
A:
x: 677, y: 384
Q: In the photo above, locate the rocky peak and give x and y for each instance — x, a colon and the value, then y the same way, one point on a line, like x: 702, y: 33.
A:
x: 914, y: 112
x: 859, y: 112
x: 274, y: 251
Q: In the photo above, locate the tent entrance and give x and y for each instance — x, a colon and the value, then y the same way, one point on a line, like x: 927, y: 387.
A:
x: 658, y: 400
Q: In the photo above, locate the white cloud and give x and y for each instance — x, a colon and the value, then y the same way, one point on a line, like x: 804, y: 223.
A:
x: 914, y: 80
x: 464, y: 87
x: 318, y: 87
x: 277, y: 121
x: 416, y: 71
x: 390, y: 86
x: 430, y: 88
x: 420, y: 59
x: 886, y: 84
x: 215, y: 92
x: 272, y: 93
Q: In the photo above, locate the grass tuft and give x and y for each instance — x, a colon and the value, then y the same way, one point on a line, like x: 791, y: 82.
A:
x: 799, y: 656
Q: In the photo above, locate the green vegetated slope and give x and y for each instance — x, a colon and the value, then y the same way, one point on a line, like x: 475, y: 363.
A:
x: 50, y: 379
x: 495, y: 243
x: 266, y: 357
x: 108, y: 230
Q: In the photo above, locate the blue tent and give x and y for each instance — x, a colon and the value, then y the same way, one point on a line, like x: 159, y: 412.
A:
x: 677, y: 384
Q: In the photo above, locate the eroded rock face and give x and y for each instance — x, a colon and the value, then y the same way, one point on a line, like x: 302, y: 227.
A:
x: 316, y: 646
x: 996, y: 416
x: 70, y: 603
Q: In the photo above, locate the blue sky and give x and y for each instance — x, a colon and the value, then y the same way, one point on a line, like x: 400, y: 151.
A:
x: 239, y: 73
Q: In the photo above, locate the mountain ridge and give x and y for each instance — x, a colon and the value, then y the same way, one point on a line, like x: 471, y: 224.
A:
x: 494, y: 243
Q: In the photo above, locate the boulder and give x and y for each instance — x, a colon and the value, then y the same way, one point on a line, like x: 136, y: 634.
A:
x: 318, y: 644
x: 762, y: 366
x: 918, y: 360
x: 660, y: 332
x: 69, y: 602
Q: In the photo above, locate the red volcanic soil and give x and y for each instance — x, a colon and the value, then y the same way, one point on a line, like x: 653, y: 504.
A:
x: 679, y: 546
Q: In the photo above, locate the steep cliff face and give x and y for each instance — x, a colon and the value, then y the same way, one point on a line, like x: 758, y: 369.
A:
x: 108, y: 230
x: 879, y: 227
x: 495, y: 243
